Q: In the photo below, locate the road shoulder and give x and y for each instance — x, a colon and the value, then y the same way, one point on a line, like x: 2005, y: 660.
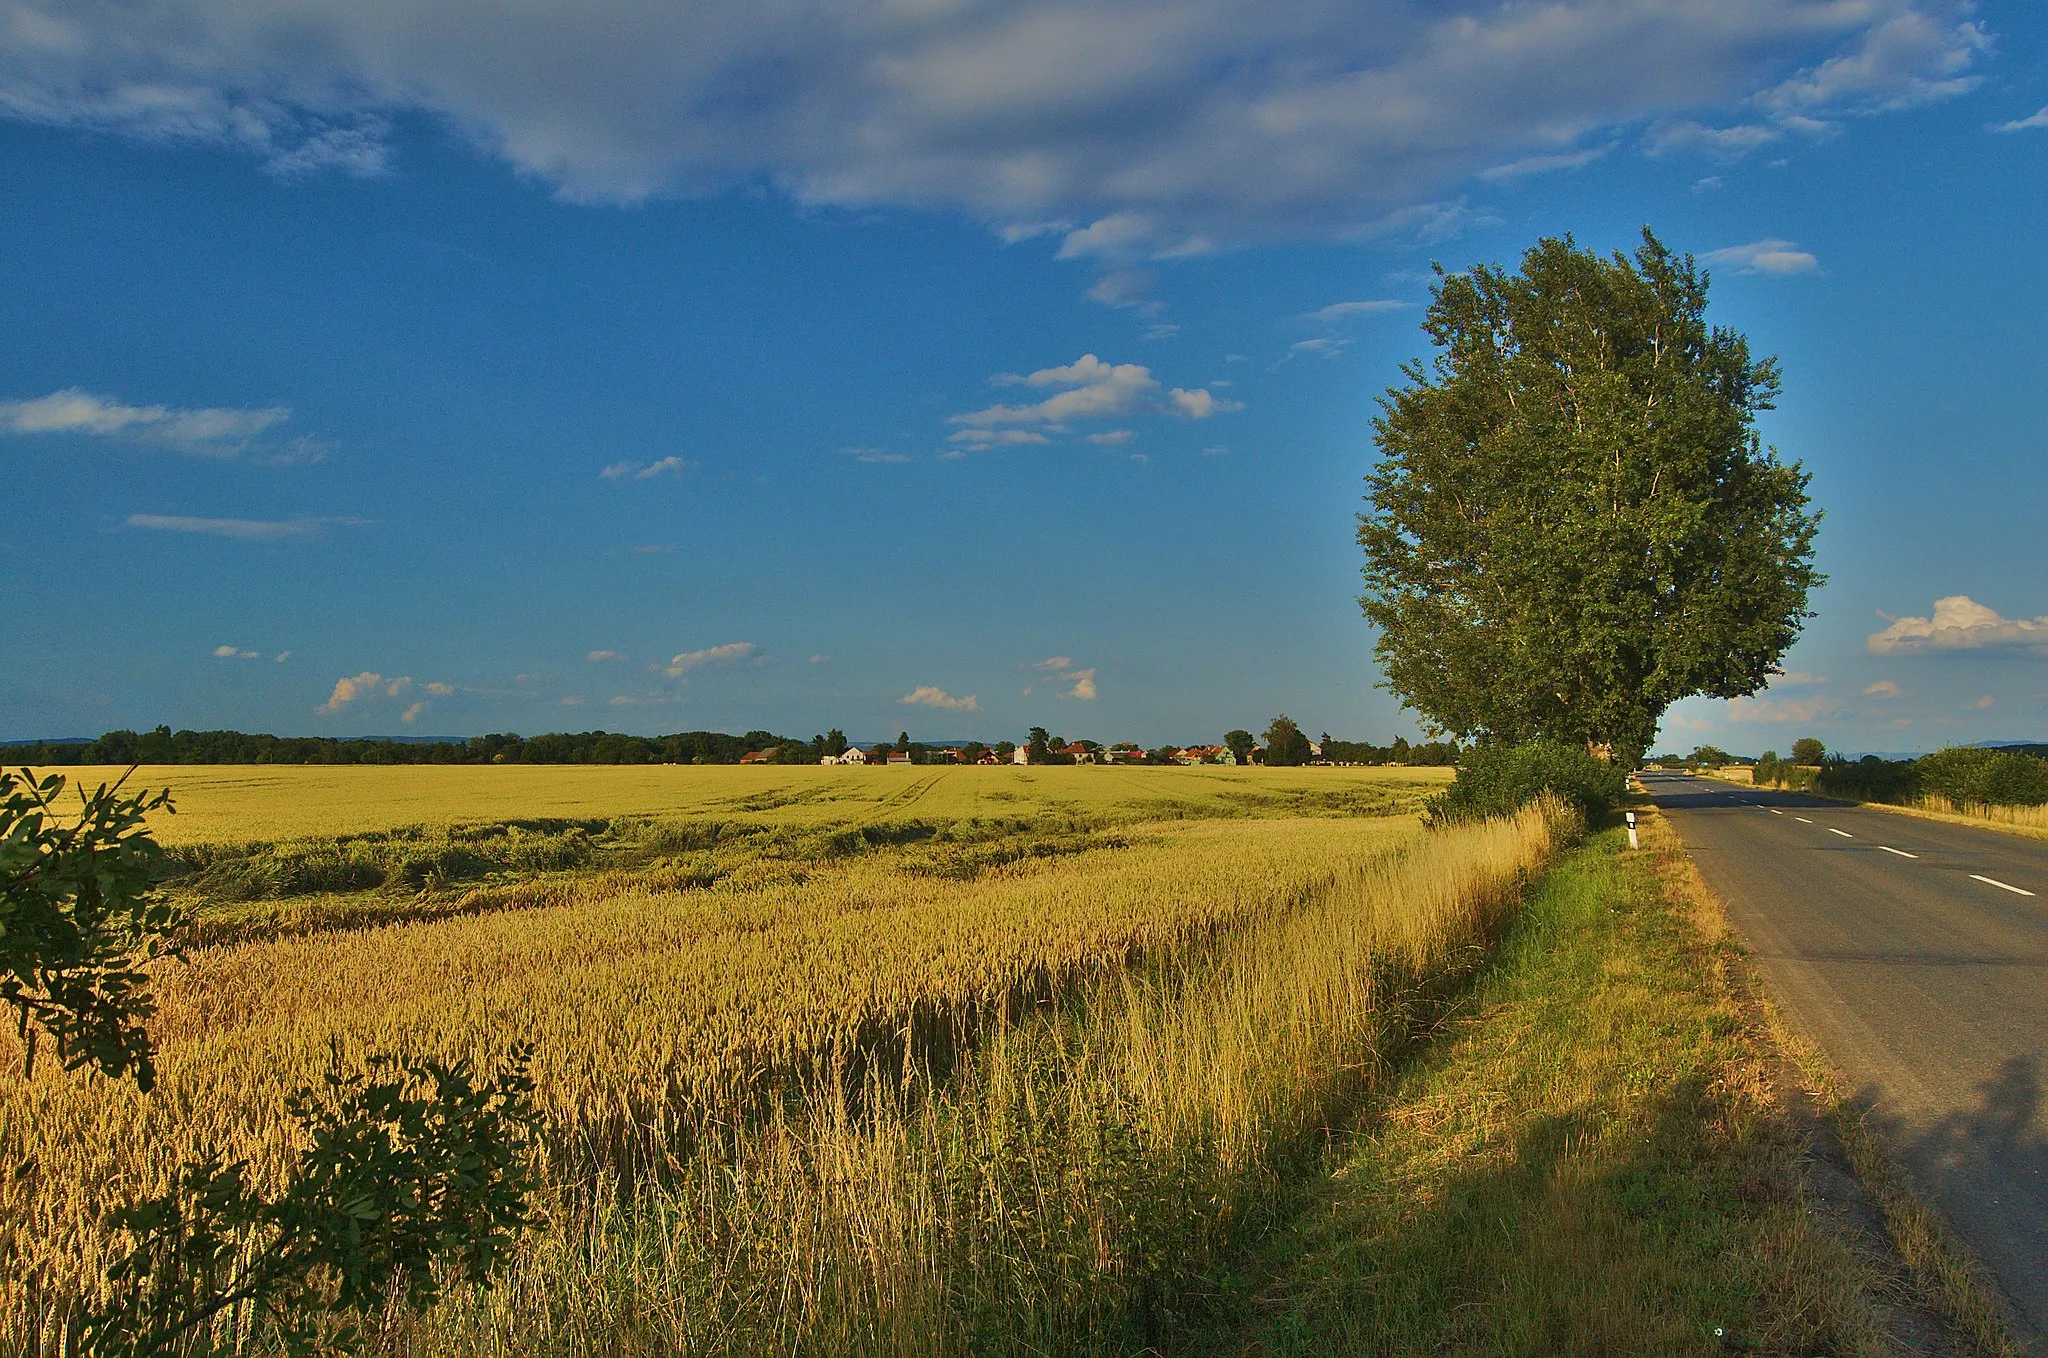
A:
x: 1599, y: 1152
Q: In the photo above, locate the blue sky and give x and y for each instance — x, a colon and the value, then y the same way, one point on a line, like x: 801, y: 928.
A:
x: 950, y: 366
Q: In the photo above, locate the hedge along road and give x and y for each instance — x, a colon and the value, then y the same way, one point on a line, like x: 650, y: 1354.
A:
x: 1915, y: 954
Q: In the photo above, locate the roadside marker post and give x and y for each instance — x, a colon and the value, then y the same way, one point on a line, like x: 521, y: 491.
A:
x: 1631, y: 829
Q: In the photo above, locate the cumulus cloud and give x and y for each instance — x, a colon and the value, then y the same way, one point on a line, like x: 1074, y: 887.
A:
x: 361, y: 687
x: 412, y: 713
x: 218, y: 432
x: 731, y: 651
x: 1883, y: 688
x: 931, y: 695
x: 1086, y: 389
x: 1765, y: 256
x: 1112, y: 436
x: 1080, y: 684
x: 646, y: 471
x: 1960, y: 623
x: 247, y: 530
x: 596, y: 657
x: 1055, y: 662
x: 233, y: 653
x: 1145, y: 129
x: 1798, y: 679
x: 440, y: 690
x: 2022, y: 124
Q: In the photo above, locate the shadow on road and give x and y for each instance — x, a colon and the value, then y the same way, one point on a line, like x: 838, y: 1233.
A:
x: 1987, y: 1169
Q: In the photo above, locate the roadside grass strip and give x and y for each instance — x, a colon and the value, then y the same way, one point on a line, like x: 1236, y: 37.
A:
x: 1591, y: 1158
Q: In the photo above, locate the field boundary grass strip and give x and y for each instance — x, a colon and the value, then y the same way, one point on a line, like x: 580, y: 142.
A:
x: 1931, y: 1287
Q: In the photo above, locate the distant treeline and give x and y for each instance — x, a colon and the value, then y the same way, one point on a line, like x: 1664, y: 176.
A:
x: 1429, y: 754
x: 165, y: 746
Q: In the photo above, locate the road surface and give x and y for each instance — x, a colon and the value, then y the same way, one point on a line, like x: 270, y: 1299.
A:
x: 1915, y: 953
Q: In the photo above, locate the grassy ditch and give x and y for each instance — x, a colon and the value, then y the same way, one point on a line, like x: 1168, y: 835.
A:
x: 1591, y: 1158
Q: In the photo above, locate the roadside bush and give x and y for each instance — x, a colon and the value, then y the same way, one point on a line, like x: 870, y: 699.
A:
x: 1869, y: 779
x: 1985, y: 777
x: 1498, y: 780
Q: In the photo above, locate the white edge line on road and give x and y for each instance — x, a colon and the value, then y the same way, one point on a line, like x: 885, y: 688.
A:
x: 2002, y: 886
x: 1802, y: 820
x: 1843, y: 833
x: 1774, y: 810
x: 1900, y: 852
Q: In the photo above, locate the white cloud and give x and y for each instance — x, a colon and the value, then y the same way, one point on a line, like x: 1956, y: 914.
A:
x: 232, y: 653
x: 1325, y: 346
x: 1055, y: 662
x: 1883, y: 688
x: 1112, y: 436
x: 1960, y: 623
x: 647, y: 471
x: 875, y: 455
x: 1162, y: 127
x: 217, y: 432
x: 1198, y: 404
x: 1089, y: 389
x: 930, y: 695
x: 1983, y: 704
x: 361, y: 687
x: 1779, y: 710
x: 248, y: 530
x: 1798, y: 679
x: 1337, y: 312
x: 1081, y: 685
x: 731, y: 651
x: 440, y: 690
x: 1541, y: 164
x: 598, y: 657
x: 412, y: 713
x: 1765, y: 256
x: 1127, y: 288
x: 282, y: 656
x: 2023, y: 124
x: 820, y: 659
x: 571, y: 701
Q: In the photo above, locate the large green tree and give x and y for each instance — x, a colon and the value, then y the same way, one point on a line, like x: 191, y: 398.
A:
x: 1574, y: 523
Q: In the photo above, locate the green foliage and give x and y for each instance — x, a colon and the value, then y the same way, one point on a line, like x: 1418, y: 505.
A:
x: 1574, y: 523
x: 1807, y: 750
x: 1240, y: 745
x: 412, y: 1175
x: 1498, y: 780
x: 1286, y: 746
x: 79, y: 923
x: 1709, y: 756
x: 165, y: 746
x: 1985, y: 777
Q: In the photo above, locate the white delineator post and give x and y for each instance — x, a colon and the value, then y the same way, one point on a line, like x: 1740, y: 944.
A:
x: 1631, y: 829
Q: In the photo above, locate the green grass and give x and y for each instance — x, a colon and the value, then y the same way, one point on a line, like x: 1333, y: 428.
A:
x: 1588, y: 1159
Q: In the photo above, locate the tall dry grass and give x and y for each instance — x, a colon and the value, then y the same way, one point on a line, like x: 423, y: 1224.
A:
x: 1073, y: 1184
x: 2020, y: 817
x: 866, y: 1111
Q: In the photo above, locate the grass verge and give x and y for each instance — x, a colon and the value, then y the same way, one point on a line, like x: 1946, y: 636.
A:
x: 1590, y: 1158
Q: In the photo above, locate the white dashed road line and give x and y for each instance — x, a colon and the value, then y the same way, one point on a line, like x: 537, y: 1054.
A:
x: 1774, y: 810
x: 1802, y: 820
x: 1900, y: 852
x: 1843, y: 833
x: 2002, y: 886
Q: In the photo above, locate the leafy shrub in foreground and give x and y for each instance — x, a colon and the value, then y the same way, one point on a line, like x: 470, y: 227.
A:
x: 1498, y: 780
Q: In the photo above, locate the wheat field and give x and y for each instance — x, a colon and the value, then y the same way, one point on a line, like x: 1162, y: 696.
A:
x: 779, y: 1103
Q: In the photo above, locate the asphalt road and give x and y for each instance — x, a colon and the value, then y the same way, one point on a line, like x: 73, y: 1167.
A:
x: 1910, y: 951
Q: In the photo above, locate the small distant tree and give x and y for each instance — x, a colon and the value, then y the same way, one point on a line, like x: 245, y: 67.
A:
x: 1807, y: 750
x: 1240, y: 745
x: 903, y: 742
x: 1038, y: 749
x: 1286, y: 746
x: 1006, y: 750
x: 835, y: 742
x: 1709, y: 756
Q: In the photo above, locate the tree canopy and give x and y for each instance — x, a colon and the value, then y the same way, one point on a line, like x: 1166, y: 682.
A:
x: 1574, y: 523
